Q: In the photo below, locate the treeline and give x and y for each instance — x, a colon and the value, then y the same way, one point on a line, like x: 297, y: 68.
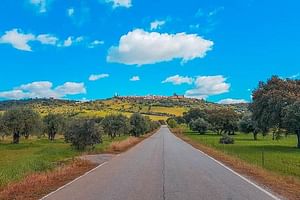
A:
x: 223, y: 121
x: 80, y: 132
x: 275, y: 109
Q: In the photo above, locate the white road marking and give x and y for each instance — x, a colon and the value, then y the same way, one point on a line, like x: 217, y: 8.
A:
x: 239, y: 175
x: 62, y: 187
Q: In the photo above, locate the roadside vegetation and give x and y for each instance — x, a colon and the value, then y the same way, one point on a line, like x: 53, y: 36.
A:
x: 266, y: 136
x: 34, y: 143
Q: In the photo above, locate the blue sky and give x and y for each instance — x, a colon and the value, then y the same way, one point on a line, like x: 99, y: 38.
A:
x: 92, y: 49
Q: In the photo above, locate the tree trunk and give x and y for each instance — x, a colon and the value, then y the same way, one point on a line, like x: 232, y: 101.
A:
x: 255, y: 135
x: 298, y: 137
x: 16, y: 138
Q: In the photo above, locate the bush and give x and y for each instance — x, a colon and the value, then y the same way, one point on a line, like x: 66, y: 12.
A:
x: 83, y: 132
x: 199, y: 125
x: 226, y: 140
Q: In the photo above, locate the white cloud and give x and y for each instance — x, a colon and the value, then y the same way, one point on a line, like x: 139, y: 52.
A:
x: 17, y: 39
x: 135, y: 78
x: 95, y: 77
x: 207, y: 86
x: 44, y: 89
x: 95, y: 43
x: 140, y: 47
x: 178, y: 80
x: 71, y: 41
x: 70, y: 12
x: 156, y: 24
x: 232, y: 101
x: 42, y: 5
x: 68, y: 42
x: 20, y: 40
x: 70, y: 88
x: 47, y: 39
x: 120, y: 3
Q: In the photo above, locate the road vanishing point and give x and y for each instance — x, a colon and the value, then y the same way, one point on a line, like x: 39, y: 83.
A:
x: 162, y: 167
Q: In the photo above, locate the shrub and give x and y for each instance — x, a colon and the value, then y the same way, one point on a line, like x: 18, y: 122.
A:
x: 225, y: 139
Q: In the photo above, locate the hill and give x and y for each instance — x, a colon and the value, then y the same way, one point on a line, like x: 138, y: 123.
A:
x: 156, y: 108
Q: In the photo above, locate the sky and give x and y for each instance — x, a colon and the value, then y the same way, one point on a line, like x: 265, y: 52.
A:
x: 216, y: 50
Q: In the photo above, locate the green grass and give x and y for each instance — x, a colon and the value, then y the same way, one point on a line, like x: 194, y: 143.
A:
x: 37, y: 155
x: 280, y: 156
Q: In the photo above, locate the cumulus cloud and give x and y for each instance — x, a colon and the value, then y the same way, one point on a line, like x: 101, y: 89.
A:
x: 207, y: 86
x: 178, y: 80
x: 232, y: 101
x: 41, y: 5
x: 17, y: 39
x: 139, y: 47
x: 120, y: 3
x: 156, y: 24
x: 44, y: 89
x: 135, y: 78
x: 47, y: 39
x: 95, y: 77
x: 20, y: 40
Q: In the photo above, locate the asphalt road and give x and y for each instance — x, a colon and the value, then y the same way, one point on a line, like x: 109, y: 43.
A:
x: 161, y: 167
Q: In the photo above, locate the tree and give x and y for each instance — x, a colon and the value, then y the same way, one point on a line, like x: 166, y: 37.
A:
x: 269, y: 100
x: 115, y: 125
x: 21, y: 122
x: 194, y: 114
x: 199, y: 125
x: 3, y: 131
x: 247, y: 125
x: 83, y: 132
x: 172, y: 123
x: 291, y: 119
x: 223, y: 120
x: 53, y: 123
x: 138, y: 123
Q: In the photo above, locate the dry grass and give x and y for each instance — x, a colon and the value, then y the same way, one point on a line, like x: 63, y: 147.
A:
x: 37, y: 185
x: 124, y: 145
x: 285, y: 186
x: 120, y: 146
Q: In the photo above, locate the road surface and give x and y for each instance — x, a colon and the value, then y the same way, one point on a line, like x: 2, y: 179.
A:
x: 162, y: 167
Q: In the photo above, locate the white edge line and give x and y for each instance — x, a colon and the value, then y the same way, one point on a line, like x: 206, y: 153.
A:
x: 62, y: 187
x: 239, y: 175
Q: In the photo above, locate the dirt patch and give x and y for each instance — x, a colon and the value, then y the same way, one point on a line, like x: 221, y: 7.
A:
x: 37, y: 185
x: 284, y: 186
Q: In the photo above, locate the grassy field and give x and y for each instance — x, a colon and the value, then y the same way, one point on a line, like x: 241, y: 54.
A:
x: 36, y: 155
x: 280, y: 156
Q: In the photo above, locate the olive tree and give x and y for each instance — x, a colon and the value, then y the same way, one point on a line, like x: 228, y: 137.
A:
x: 115, y: 125
x: 138, y: 123
x: 53, y: 124
x: 83, y: 132
x: 21, y: 122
